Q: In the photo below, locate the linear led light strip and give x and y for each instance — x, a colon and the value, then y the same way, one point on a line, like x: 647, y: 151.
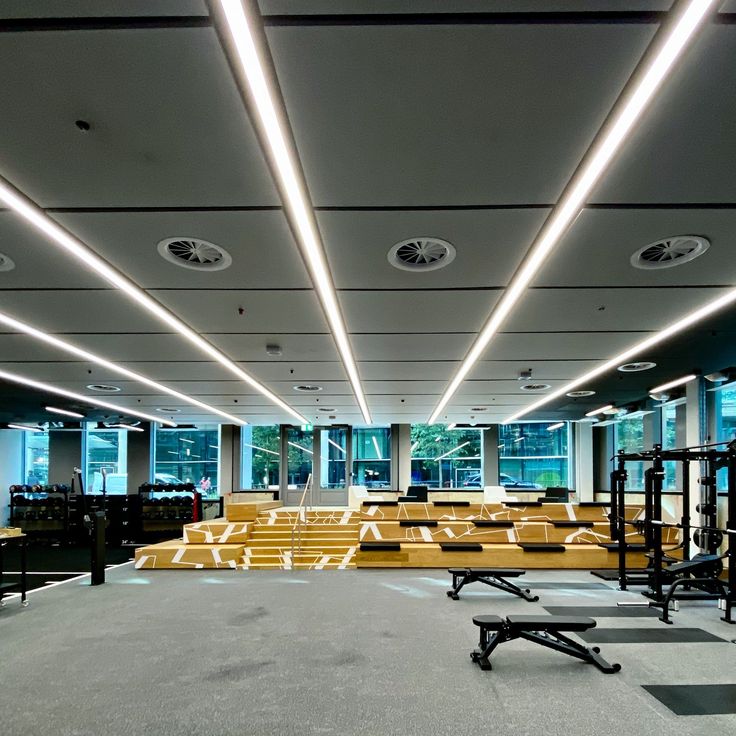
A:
x: 454, y: 449
x: 114, y: 367
x: 672, y: 384
x: 31, y: 212
x: 23, y: 381
x: 302, y: 217
x: 626, y: 112
x: 673, y: 329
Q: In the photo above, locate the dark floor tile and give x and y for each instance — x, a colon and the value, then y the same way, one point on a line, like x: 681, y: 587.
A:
x: 652, y: 635
x: 696, y: 700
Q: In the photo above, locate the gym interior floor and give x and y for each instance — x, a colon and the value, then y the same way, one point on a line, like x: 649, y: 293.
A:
x: 351, y: 652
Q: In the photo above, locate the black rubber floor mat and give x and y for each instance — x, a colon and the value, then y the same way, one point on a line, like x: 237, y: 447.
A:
x: 695, y: 700
x: 602, y: 611
x: 653, y: 635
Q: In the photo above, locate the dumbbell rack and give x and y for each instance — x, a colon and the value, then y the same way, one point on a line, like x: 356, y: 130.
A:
x: 165, y: 508
x: 41, y: 511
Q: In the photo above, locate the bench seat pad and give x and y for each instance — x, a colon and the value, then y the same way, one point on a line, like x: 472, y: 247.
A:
x: 502, y: 572
x: 551, y: 623
x: 489, y: 622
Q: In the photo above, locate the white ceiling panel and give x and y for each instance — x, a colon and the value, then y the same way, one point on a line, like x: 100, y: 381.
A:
x: 565, y: 310
x: 295, y: 347
x: 95, y: 8
x: 260, y: 243
x: 167, y: 124
x: 412, y: 311
x: 410, y: 347
x: 297, y: 7
x: 553, y: 345
x: 541, y: 370
x: 103, y: 310
x: 265, y: 311
x: 679, y: 152
x: 597, y: 249
x: 489, y: 245
x: 419, y: 115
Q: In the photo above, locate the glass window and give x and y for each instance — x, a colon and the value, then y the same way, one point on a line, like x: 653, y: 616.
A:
x: 261, y: 457
x: 188, y: 456
x: 531, y: 456
x: 334, y: 450
x: 725, y: 400
x: 372, y: 457
x: 299, y: 445
x: 36, y: 457
x: 629, y: 437
x: 106, y: 449
x: 669, y: 442
x: 442, y: 458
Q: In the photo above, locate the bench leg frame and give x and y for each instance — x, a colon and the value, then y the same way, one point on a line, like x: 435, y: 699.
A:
x: 494, y: 581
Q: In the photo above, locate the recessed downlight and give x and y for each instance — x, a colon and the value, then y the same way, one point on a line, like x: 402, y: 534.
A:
x: 532, y: 387
x: 579, y: 394
x: 307, y: 388
x: 6, y: 263
x: 643, y: 365
x: 168, y: 410
x: 669, y: 252
x: 103, y: 388
x: 194, y: 253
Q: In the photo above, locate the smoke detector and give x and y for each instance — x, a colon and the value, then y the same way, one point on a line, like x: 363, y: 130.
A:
x: 669, y: 252
x: 525, y: 375
x: 644, y: 365
x: 579, y: 394
x: 307, y: 388
x: 103, y: 388
x: 421, y: 254
x: 195, y: 254
x: 535, y: 387
x: 6, y: 263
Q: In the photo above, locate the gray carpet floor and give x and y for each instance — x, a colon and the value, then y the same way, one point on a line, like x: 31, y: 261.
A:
x: 226, y: 653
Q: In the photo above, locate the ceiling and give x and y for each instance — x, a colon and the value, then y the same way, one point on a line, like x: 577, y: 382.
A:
x: 409, y: 121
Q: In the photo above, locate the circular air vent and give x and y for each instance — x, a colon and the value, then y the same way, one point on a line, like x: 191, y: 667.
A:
x: 670, y: 252
x: 579, y: 394
x: 103, y: 388
x: 6, y: 263
x: 199, y: 255
x: 421, y: 254
x: 643, y: 365
x: 535, y: 387
x: 168, y: 410
x: 307, y: 388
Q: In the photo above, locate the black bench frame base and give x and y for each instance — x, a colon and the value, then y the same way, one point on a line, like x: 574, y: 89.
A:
x: 495, y: 630
x: 493, y: 577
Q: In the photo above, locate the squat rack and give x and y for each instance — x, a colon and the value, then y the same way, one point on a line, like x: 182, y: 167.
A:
x: 707, y: 534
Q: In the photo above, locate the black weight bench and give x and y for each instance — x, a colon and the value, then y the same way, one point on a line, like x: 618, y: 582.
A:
x: 544, y: 630
x: 492, y: 576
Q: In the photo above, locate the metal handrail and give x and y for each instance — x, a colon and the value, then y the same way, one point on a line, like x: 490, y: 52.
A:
x: 296, y: 529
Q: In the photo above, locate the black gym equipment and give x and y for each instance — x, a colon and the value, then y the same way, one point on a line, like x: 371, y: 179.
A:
x: 495, y: 577
x: 668, y: 578
x: 544, y: 630
x: 95, y: 523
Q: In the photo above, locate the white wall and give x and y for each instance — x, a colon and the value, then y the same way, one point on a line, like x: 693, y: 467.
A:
x: 11, y: 470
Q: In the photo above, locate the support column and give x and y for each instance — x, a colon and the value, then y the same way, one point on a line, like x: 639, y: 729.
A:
x: 65, y: 454
x: 229, y: 459
x: 583, y: 448
x: 490, y: 457
x: 140, y: 457
x: 11, y: 467
x: 400, y: 457
x: 694, y: 436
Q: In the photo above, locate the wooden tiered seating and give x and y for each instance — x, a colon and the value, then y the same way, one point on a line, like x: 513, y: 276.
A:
x: 518, y: 534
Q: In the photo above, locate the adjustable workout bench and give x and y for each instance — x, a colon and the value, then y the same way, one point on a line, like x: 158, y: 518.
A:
x: 544, y: 630
x: 492, y: 576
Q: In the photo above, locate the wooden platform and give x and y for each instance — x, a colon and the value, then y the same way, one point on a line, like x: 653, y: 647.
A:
x: 217, y: 531
x: 248, y: 511
x: 177, y: 555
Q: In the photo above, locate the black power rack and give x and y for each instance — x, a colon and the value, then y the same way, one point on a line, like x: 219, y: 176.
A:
x: 696, y: 577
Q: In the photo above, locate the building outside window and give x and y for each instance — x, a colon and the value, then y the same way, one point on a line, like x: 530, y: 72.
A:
x: 188, y: 455
x: 531, y: 456
x: 261, y: 457
x: 299, y: 444
x: 36, y: 458
x: 629, y: 437
x: 669, y: 442
x: 372, y: 457
x: 334, y: 450
x: 442, y: 458
x: 105, y: 450
x: 725, y: 407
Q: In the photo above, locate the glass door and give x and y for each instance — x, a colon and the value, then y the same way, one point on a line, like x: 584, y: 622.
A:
x: 298, y: 447
x: 333, y: 465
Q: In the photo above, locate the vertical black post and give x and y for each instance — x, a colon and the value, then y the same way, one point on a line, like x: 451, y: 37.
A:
x: 657, y: 476
x: 618, y: 515
x: 685, y: 517
x: 730, y: 528
x: 648, y: 509
x: 97, y: 534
